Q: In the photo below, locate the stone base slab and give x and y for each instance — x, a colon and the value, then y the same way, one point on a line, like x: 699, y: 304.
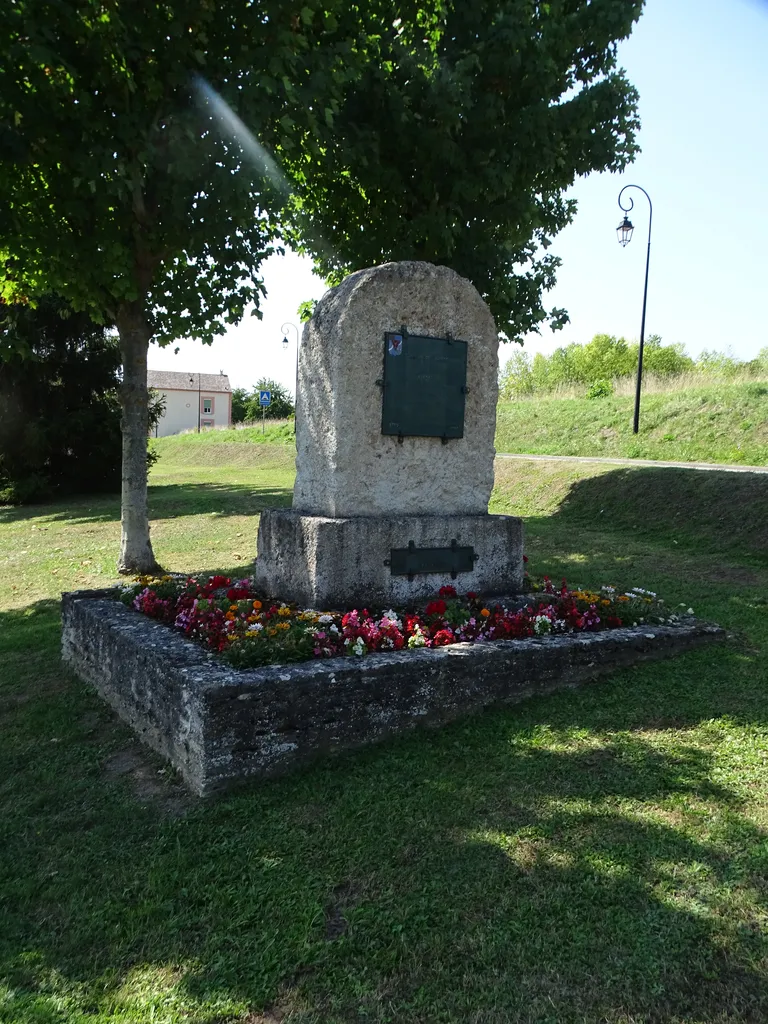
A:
x: 221, y: 726
x: 327, y: 563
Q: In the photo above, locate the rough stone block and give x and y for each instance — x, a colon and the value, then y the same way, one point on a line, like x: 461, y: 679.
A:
x: 324, y: 563
x: 345, y: 466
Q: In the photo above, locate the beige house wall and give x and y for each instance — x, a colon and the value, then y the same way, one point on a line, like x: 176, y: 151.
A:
x: 181, y: 411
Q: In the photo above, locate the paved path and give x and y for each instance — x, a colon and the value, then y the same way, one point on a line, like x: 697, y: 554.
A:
x: 719, y: 466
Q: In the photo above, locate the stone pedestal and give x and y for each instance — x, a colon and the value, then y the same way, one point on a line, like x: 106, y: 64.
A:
x: 364, y: 485
x: 321, y: 562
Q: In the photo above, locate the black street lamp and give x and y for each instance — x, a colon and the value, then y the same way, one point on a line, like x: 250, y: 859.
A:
x: 285, y: 328
x: 624, y: 232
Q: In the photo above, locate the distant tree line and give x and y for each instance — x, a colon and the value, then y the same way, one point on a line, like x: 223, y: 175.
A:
x: 607, y: 359
x: 246, y: 407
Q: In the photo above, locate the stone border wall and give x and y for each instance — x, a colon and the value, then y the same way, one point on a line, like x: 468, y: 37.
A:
x: 221, y: 726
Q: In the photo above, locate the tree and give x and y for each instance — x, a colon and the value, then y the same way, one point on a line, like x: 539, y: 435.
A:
x: 427, y: 129
x: 455, y: 146
x: 239, y: 403
x: 120, y: 191
x: 281, y: 406
x: 59, y: 407
x: 246, y: 407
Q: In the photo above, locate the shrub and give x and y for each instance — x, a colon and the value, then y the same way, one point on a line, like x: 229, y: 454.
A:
x: 600, y: 389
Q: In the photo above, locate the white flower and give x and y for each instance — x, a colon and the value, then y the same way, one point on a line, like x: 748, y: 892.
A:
x: 417, y: 639
x: 333, y: 629
x: 359, y: 647
x: 325, y: 619
x: 390, y: 617
x: 690, y: 611
x: 255, y: 627
x: 542, y: 625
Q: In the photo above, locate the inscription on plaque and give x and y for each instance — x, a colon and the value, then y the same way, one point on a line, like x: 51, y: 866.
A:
x: 424, y: 385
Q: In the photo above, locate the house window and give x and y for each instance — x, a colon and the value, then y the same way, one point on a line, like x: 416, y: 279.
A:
x: 206, y: 423
x: 207, y: 406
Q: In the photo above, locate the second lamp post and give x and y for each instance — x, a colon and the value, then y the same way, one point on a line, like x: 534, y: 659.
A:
x: 624, y: 232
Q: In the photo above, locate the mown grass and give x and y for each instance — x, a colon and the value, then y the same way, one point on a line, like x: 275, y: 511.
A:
x: 728, y: 424
x: 594, y: 856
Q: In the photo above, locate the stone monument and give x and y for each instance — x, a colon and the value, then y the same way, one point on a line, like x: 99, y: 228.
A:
x: 395, y: 423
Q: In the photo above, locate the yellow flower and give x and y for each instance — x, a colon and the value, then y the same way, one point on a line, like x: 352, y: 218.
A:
x: 605, y: 602
x: 284, y: 611
x: 272, y: 632
x: 283, y: 625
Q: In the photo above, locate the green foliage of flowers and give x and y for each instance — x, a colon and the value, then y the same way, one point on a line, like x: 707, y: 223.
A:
x: 229, y: 617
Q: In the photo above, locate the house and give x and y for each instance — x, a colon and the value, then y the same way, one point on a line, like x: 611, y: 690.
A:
x: 192, y: 400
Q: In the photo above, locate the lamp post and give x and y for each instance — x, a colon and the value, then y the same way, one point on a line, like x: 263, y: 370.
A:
x: 285, y: 328
x: 192, y: 381
x: 624, y: 233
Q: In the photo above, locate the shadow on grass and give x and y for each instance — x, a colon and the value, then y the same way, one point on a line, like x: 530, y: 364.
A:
x: 554, y: 862
x: 724, y: 512
x: 166, y: 501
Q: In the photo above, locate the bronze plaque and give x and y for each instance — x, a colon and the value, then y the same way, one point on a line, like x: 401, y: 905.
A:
x: 413, y: 561
x: 425, y: 381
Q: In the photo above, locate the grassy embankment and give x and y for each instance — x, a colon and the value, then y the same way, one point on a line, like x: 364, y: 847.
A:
x: 724, y: 423
x: 593, y: 856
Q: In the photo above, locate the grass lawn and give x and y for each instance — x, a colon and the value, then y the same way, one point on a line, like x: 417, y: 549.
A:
x: 593, y: 856
x: 723, y: 423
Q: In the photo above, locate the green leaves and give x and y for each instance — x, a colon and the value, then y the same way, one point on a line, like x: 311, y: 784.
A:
x: 458, y: 138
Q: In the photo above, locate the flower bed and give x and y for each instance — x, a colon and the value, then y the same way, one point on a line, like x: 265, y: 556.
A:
x: 229, y: 617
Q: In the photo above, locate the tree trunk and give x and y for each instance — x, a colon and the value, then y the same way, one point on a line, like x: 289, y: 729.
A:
x: 136, y: 556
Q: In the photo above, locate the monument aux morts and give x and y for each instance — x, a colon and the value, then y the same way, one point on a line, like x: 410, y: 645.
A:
x: 395, y: 423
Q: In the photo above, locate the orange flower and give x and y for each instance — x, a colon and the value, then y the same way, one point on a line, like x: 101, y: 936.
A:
x: 485, y: 612
x: 256, y: 605
x: 230, y: 616
x: 233, y: 607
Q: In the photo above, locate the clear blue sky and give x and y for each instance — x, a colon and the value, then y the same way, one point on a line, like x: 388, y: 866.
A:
x: 701, y: 67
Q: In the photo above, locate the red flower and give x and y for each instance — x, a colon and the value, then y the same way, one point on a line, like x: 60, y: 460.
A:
x: 447, y: 591
x: 237, y: 593
x: 471, y: 595
x: 442, y: 638
x: 435, y: 608
x: 525, y: 558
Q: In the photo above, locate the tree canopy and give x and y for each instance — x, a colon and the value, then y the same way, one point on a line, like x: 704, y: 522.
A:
x: 456, y: 145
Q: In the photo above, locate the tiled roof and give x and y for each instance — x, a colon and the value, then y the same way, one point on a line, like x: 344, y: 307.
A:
x: 166, y: 380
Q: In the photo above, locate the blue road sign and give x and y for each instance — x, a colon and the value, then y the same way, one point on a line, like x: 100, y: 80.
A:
x: 265, y: 398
